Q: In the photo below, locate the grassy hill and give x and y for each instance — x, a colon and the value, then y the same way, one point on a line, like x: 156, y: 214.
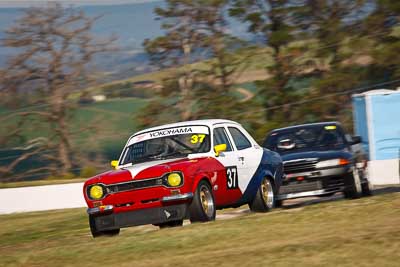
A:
x: 113, y: 121
x: 362, y: 232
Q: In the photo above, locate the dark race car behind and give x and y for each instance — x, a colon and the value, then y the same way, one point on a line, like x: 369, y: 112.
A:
x: 320, y: 160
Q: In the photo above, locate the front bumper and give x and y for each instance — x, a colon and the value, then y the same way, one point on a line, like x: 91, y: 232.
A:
x: 314, y: 183
x: 179, y: 197
x: 172, y: 209
x: 309, y: 193
x: 140, y: 217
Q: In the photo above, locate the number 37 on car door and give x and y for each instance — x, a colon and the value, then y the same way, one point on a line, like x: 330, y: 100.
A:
x: 232, y: 181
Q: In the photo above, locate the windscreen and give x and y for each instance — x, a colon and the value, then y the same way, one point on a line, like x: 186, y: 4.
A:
x: 167, y: 143
x: 314, y: 137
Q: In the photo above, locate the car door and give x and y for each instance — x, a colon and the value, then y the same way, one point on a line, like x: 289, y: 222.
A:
x: 248, y: 153
x: 229, y: 192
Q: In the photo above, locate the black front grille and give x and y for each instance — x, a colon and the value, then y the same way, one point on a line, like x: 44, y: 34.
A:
x: 299, y: 166
x: 134, y: 185
x: 297, y: 187
x: 334, y: 182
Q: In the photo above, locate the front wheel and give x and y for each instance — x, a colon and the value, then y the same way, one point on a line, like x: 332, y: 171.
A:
x: 202, y: 208
x: 96, y: 233
x: 354, y: 189
x: 366, y: 188
x: 264, y: 199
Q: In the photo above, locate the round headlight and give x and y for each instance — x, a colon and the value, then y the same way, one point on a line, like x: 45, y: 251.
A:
x: 96, y: 192
x: 174, y: 179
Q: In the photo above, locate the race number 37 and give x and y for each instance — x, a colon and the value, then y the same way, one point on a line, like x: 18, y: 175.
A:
x: 232, y: 177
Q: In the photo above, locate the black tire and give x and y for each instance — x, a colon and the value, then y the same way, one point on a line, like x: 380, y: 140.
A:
x: 278, y: 203
x: 202, y: 208
x: 171, y: 224
x: 97, y: 233
x: 366, y: 188
x: 264, y: 199
x: 353, y: 189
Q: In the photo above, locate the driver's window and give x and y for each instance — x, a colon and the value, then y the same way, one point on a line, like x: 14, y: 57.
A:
x: 331, y: 138
x: 220, y: 137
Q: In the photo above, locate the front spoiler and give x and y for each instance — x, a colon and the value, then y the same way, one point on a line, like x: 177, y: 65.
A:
x: 309, y: 193
x: 316, y: 183
x: 106, y: 219
x: 156, y: 215
x: 100, y: 210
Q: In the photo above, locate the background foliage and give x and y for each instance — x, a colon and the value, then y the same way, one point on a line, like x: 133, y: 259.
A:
x: 301, y: 63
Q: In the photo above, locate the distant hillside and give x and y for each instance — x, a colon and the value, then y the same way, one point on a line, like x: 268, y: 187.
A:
x: 131, y: 23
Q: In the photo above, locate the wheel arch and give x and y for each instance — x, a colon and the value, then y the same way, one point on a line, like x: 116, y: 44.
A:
x: 196, y: 212
x: 268, y: 173
x: 255, y: 183
x: 200, y: 177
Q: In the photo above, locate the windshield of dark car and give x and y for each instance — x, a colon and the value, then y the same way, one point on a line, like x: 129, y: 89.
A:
x: 305, y: 138
x: 171, y: 146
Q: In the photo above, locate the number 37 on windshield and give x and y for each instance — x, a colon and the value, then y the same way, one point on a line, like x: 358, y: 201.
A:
x: 197, y: 138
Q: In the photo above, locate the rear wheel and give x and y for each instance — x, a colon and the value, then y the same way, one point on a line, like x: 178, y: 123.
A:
x: 96, y: 233
x: 202, y: 208
x: 264, y: 199
x: 353, y: 189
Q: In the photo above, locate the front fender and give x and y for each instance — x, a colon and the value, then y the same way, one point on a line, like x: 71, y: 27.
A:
x: 198, y: 177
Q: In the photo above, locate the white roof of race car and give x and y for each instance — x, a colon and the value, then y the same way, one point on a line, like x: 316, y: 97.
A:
x: 184, y: 123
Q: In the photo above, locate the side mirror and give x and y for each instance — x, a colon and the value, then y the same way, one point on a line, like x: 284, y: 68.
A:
x: 219, y: 148
x: 114, y: 164
x: 356, y: 140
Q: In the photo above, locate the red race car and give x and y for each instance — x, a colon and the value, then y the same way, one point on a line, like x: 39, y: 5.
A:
x: 180, y: 171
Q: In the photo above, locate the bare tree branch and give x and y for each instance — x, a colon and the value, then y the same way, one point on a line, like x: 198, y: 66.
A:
x: 56, y: 51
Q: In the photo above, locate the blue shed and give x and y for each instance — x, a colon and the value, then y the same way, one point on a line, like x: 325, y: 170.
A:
x: 377, y: 121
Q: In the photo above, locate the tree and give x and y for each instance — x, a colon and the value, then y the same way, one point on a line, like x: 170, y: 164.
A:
x: 382, y: 27
x: 275, y: 22
x: 194, y: 31
x: 337, y: 27
x: 332, y: 22
x: 221, y: 46
x: 328, y: 46
x: 55, y: 49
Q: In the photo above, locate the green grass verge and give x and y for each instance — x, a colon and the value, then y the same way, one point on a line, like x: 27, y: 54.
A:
x: 362, y: 232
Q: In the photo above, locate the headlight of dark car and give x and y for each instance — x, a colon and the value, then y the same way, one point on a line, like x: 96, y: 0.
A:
x: 332, y: 163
